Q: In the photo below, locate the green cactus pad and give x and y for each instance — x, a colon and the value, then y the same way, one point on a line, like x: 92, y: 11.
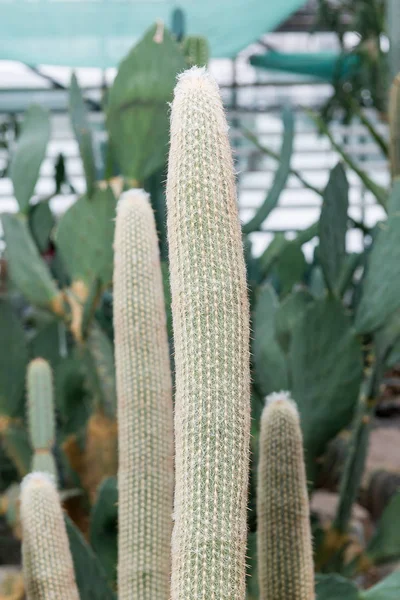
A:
x: 137, y: 111
x: 13, y: 361
x: 85, y: 236
x: 29, y: 154
x: 27, y: 269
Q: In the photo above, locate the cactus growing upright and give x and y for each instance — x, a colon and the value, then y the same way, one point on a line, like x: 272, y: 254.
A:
x: 41, y: 415
x: 145, y: 421
x: 211, y: 339
x: 285, y: 564
x: 47, y: 562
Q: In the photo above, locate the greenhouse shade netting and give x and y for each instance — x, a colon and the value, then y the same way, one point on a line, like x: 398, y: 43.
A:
x: 328, y: 66
x: 98, y: 33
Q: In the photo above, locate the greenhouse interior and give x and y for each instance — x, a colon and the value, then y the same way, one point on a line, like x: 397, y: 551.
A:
x: 199, y: 209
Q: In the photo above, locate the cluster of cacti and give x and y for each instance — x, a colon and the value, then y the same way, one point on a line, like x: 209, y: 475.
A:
x: 212, y: 404
x: 66, y: 267
x: 306, y: 339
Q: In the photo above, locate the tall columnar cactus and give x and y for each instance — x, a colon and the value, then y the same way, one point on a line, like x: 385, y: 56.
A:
x: 211, y: 337
x: 285, y: 564
x: 47, y: 562
x: 145, y: 419
x: 394, y: 123
x: 41, y: 415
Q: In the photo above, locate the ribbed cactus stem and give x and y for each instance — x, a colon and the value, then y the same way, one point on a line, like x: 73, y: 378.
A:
x: 196, y: 51
x: 47, y: 563
x: 145, y: 417
x: 394, y: 127
x: 211, y: 340
x: 41, y: 415
x: 285, y: 563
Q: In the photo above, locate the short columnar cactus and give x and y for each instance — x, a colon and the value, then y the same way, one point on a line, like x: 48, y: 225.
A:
x: 285, y: 563
x: 145, y: 419
x: 211, y: 339
x: 41, y: 415
x: 47, y: 562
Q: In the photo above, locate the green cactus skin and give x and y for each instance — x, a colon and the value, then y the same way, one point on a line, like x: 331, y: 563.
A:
x: 394, y: 128
x: 196, y: 51
x: 41, y: 415
x: 145, y: 413
x: 284, y: 546
x: 47, y: 563
x: 211, y: 336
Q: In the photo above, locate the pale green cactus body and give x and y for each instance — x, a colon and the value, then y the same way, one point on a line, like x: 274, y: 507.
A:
x: 41, y: 415
x: 145, y: 418
x: 285, y: 563
x: 211, y: 340
x: 47, y: 562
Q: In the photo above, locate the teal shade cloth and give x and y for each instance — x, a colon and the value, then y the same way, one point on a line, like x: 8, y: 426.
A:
x: 98, y: 33
x: 328, y: 66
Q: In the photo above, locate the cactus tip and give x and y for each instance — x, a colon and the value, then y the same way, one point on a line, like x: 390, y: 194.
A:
x: 195, y: 77
x: 37, y: 479
x: 282, y: 397
x: 194, y: 72
x: 132, y: 197
x: 38, y: 361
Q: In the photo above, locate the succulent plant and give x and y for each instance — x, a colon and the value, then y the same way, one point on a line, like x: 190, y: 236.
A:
x: 211, y: 341
x: 144, y: 385
x: 285, y: 561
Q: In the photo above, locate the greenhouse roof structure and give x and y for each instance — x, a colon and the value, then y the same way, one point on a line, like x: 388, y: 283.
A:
x: 98, y: 33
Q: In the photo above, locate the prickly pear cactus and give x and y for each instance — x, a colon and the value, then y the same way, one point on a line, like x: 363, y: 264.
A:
x: 41, y: 415
x: 47, y: 562
x: 144, y: 389
x: 211, y: 336
x: 285, y: 564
